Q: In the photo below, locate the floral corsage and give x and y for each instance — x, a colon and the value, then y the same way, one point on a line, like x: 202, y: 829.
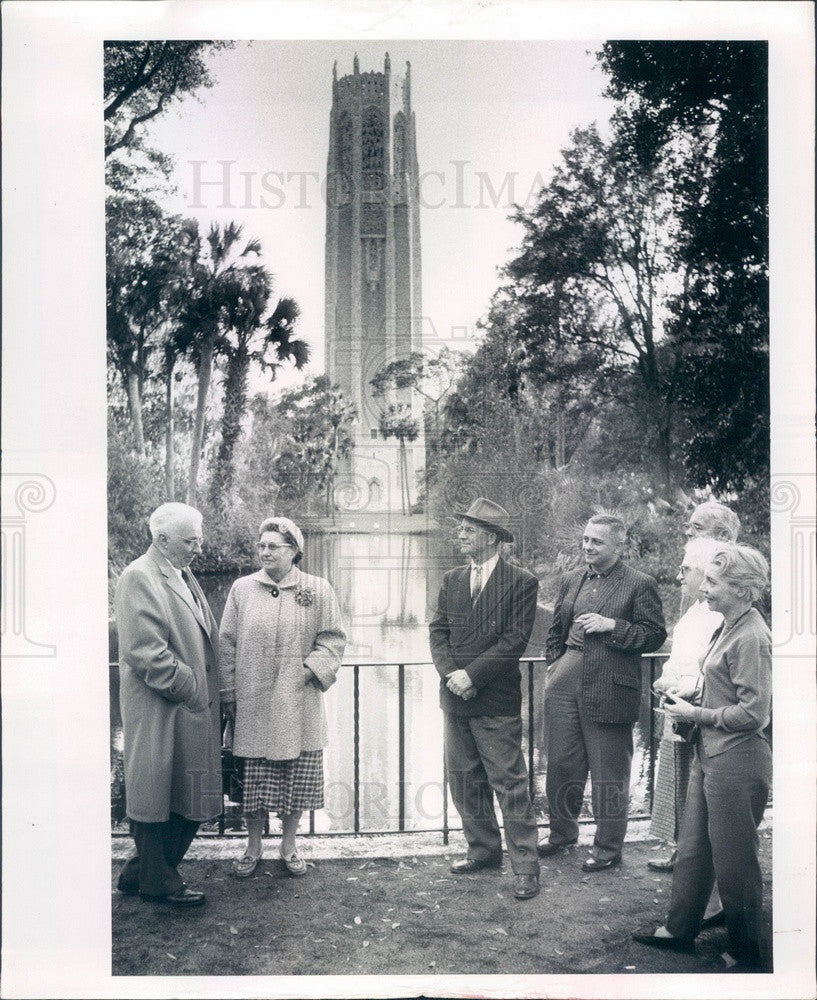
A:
x: 305, y: 596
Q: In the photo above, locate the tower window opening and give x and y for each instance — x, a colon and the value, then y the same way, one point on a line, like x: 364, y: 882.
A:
x: 372, y: 150
x: 345, y: 144
x: 399, y: 143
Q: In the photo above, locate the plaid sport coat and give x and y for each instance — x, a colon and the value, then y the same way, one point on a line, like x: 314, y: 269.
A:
x: 611, y: 680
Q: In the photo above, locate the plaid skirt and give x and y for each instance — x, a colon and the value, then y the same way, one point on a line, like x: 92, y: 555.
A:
x: 671, y: 783
x: 284, y: 786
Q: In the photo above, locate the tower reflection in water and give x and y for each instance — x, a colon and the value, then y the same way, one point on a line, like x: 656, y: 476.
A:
x: 387, y: 586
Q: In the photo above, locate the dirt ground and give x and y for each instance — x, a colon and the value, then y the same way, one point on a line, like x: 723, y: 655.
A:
x: 410, y: 916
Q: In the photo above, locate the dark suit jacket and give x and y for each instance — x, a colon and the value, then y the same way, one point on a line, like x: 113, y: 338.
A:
x: 611, y: 680
x: 486, y: 639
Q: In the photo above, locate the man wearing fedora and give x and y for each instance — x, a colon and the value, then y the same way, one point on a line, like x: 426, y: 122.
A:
x: 483, y: 621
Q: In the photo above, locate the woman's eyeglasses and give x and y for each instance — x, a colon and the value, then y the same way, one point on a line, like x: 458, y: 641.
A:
x: 264, y: 547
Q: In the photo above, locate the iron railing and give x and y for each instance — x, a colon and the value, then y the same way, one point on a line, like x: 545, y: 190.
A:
x: 651, y: 662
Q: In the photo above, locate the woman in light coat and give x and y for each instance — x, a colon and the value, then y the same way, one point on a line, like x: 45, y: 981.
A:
x: 281, y: 646
x: 682, y: 670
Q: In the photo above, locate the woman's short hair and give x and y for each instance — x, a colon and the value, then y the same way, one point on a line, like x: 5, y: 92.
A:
x: 289, y: 529
x: 699, y: 552
x: 744, y: 567
x: 724, y: 522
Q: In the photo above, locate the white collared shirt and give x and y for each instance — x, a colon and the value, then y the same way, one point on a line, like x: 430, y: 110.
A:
x: 486, y: 569
x: 175, y: 569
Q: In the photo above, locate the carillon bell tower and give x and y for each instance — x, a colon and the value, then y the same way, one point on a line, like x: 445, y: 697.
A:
x: 373, y: 285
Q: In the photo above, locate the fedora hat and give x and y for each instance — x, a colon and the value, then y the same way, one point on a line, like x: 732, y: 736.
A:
x: 490, y: 515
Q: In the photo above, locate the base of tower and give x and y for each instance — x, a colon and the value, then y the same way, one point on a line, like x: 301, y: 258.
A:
x: 373, y: 481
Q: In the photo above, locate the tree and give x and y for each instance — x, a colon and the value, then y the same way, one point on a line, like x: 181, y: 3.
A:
x: 537, y: 345
x: 246, y: 339
x: 214, y: 289
x: 599, y: 238
x: 319, y: 421
x: 398, y: 421
x: 704, y: 107
x: 143, y: 79
x: 147, y: 260
x: 175, y: 347
x: 431, y: 376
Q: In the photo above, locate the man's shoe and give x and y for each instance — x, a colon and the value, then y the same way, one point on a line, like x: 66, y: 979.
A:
x: 716, y: 920
x: 183, y: 898
x: 547, y: 848
x: 749, y: 961
x: 661, y: 866
x: 127, y: 889
x: 525, y: 886
x: 465, y: 866
x: 666, y: 943
x: 593, y: 864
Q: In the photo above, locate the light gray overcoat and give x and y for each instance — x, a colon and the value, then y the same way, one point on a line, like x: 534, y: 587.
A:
x: 168, y: 694
x: 266, y: 641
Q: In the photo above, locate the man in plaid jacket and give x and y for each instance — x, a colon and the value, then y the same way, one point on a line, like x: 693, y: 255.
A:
x: 605, y: 616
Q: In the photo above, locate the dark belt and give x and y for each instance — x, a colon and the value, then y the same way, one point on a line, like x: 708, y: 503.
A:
x: 579, y: 648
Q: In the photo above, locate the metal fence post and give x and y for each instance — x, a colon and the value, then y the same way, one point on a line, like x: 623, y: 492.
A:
x: 445, y: 797
x: 651, y: 765
x: 530, y: 729
x: 401, y: 745
x: 356, y: 740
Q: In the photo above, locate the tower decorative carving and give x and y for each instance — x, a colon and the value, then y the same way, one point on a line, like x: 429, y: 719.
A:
x: 373, y: 280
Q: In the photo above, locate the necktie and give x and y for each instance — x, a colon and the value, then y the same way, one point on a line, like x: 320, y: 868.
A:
x: 189, y: 582
x: 476, y: 582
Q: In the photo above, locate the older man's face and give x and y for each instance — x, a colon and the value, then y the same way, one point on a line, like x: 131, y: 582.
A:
x: 181, y: 542
x: 690, y: 577
x: 475, y: 541
x: 699, y: 524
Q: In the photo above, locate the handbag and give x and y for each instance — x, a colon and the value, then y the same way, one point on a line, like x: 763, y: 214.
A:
x: 688, y: 731
x: 231, y: 783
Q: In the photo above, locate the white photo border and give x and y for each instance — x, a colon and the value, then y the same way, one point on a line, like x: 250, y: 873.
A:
x: 56, y: 829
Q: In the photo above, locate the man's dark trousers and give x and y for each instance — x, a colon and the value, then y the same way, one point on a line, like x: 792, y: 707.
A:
x: 592, y: 698
x: 483, y: 753
x: 603, y: 749
x: 160, y: 847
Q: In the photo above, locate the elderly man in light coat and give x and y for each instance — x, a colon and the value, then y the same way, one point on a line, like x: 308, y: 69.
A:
x: 169, y: 697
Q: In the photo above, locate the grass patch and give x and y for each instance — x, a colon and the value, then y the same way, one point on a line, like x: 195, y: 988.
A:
x: 410, y: 916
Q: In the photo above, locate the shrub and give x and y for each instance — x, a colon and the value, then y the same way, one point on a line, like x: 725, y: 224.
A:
x: 135, y: 489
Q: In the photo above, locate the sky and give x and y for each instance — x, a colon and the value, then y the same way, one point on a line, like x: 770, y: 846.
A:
x: 503, y: 110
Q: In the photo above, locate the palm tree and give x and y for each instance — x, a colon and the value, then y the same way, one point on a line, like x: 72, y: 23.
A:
x: 213, y: 286
x: 399, y: 422
x: 248, y: 339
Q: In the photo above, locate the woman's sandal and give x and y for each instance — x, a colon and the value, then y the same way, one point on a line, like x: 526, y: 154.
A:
x: 295, y: 864
x: 244, y: 867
